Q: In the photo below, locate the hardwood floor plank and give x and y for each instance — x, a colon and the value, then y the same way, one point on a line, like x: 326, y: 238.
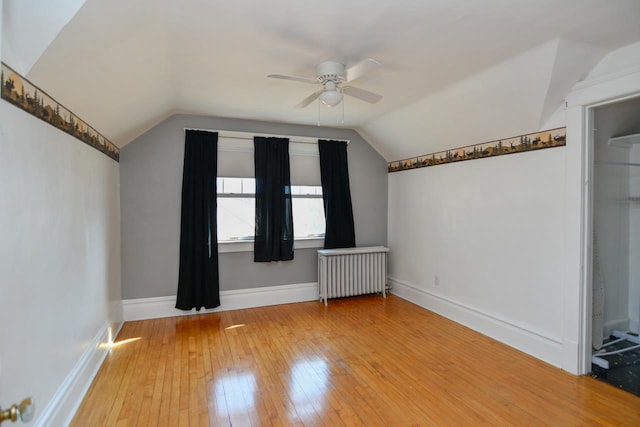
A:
x: 361, y: 361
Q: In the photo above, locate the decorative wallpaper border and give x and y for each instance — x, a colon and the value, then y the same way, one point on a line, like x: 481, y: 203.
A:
x: 25, y: 95
x: 517, y: 144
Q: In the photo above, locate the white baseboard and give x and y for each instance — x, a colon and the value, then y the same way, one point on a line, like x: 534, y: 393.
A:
x: 157, y: 307
x: 536, y: 343
x: 64, y: 404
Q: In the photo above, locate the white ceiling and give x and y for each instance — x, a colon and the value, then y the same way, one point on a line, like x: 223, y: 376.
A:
x: 448, y: 65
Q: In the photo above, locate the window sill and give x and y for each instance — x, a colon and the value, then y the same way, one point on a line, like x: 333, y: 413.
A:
x: 247, y: 245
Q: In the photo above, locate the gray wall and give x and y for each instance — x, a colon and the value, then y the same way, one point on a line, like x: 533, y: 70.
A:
x: 151, y: 184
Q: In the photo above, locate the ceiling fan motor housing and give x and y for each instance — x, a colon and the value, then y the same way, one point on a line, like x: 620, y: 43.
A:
x: 330, y: 71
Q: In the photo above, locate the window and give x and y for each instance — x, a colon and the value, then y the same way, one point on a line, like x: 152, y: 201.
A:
x: 308, y: 211
x: 236, y: 210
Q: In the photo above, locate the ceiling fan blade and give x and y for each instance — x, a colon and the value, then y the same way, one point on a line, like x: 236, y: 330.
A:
x: 309, y: 99
x: 294, y: 78
x: 361, y: 94
x: 361, y: 68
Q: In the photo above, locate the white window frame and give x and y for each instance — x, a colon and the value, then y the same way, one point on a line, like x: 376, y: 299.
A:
x: 246, y: 245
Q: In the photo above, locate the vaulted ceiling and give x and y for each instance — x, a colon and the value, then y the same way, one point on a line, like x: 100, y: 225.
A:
x: 454, y: 72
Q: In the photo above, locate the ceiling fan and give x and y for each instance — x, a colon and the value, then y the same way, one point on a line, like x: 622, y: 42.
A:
x: 333, y: 76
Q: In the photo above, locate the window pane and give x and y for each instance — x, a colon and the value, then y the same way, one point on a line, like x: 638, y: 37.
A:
x: 236, y: 218
x: 308, y: 217
x: 232, y: 185
x: 248, y: 185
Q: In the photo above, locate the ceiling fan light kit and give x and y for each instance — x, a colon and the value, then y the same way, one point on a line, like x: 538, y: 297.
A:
x: 330, y: 96
x: 331, y: 75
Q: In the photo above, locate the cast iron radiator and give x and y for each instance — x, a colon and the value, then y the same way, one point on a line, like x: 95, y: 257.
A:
x: 352, y: 271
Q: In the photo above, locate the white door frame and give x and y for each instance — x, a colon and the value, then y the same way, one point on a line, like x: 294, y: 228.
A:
x: 579, y: 216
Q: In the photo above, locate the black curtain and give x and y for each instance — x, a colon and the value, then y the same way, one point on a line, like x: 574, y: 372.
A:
x: 334, y: 172
x: 198, y: 282
x: 273, y: 239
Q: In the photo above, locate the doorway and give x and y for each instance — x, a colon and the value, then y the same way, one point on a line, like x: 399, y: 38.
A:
x: 615, y: 244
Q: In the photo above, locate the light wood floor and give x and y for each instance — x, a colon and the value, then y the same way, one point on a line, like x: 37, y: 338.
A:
x: 360, y: 361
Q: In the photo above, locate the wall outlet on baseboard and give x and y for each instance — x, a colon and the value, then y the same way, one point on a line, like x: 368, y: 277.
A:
x: 436, y: 280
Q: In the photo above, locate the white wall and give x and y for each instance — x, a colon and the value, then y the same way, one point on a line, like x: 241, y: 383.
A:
x: 482, y: 242
x: 59, y: 263
x: 490, y: 232
x: 505, y: 235
x: 1, y: 26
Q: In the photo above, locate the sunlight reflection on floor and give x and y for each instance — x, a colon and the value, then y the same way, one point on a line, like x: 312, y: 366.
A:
x: 309, y: 379
x: 235, y: 393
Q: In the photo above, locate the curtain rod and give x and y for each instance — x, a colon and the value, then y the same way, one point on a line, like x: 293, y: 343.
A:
x: 250, y: 138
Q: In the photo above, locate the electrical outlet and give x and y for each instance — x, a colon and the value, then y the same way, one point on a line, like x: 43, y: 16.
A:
x: 436, y: 280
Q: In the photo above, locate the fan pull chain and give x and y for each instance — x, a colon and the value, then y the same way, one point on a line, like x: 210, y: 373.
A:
x: 318, y: 112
